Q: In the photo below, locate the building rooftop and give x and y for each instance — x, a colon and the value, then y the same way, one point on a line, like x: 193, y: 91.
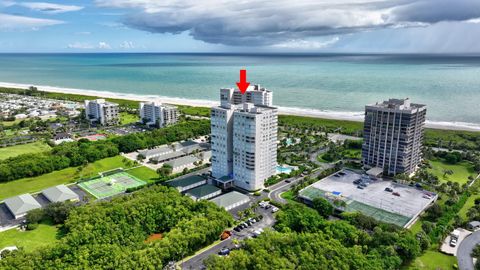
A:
x: 21, y: 204
x: 59, y: 193
x: 182, y: 161
x: 187, y: 181
x: 162, y: 150
x: 203, y: 191
x: 168, y: 156
x: 398, y: 104
x: 230, y: 198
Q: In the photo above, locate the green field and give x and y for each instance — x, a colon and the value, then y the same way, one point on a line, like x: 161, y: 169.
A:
x: 144, y: 173
x: 128, y: 118
x: 42, y: 236
x: 13, y: 151
x: 11, y: 123
x: 433, y: 260
x: 461, y: 171
x: 69, y: 175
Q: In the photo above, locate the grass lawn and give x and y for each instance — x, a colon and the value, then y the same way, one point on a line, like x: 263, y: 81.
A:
x: 433, y: 260
x: 144, y: 173
x: 68, y: 175
x: 468, y: 204
x: 127, y: 118
x: 11, y: 123
x: 13, y: 151
x: 288, y: 195
x: 417, y: 227
x: 461, y: 171
x: 42, y: 236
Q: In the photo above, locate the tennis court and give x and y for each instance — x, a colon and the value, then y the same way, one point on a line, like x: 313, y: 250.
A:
x: 377, y: 213
x: 110, y: 185
x: 398, y: 206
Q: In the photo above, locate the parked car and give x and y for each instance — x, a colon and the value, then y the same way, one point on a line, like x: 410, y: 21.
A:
x: 288, y: 180
x: 453, y: 242
x: 275, y: 209
x: 388, y: 189
x: 238, y: 228
x: 356, y: 182
x: 396, y: 194
x: 341, y: 173
x: 224, y: 251
x: 425, y: 196
x: 418, y: 185
x: 360, y: 187
x: 268, y: 206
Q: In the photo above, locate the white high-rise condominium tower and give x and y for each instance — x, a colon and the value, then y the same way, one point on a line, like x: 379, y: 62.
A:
x: 254, y: 145
x: 157, y: 114
x: 244, y: 137
x: 102, y: 112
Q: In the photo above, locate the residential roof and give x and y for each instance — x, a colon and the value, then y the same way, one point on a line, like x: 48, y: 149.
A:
x: 168, y: 156
x: 59, y: 193
x: 21, y: 204
x: 202, y: 191
x: 156, y: 151
x: 229, y: 199
x: 182, y: 161
x: 187, y: 181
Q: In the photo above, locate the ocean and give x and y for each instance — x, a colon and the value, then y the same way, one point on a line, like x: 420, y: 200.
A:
x: 332, y: 83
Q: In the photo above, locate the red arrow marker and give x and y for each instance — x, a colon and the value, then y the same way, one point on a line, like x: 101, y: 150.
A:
x: 243, y: 84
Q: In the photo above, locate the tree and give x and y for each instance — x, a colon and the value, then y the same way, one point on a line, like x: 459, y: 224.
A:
x: 165, y: 170
x: 447, y: 171
x: 323, y: 207
x: 35, y: 216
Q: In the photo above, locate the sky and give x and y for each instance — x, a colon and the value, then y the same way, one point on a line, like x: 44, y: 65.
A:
x: 345, y: 26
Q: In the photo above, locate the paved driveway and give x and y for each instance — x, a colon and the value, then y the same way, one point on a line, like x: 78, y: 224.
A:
x: 196, y: 262
x: 465, y: 261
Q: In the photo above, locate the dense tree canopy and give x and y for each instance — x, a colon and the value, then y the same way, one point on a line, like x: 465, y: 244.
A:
x: 305, y: 240
x: 111, y: 235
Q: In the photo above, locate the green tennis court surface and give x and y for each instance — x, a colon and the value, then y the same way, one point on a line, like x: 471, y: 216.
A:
x: 356, y: 206
x: 377, y: 213
x: 110, y: 185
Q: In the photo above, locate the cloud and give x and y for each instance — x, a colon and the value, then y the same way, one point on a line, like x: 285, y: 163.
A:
x: 81, y: 46
x: 49, y: 7
x: 307, y: 44
x: 103, y: 45
x: 88, y: 46
x: 127, y: 45
x: 253, y: 23
x: 10, y: 22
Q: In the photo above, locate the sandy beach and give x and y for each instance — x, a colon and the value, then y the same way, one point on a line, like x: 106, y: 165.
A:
x: 336, y: 115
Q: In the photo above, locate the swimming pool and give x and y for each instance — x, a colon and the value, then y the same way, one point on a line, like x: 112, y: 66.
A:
x: 284, y: 169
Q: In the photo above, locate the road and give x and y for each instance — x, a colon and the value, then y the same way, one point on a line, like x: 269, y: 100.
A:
x: 465, y: 261
x: 196, y: 262
x: 283, y: 186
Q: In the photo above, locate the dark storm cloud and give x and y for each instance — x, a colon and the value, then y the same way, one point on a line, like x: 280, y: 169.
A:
x: 253, y: 23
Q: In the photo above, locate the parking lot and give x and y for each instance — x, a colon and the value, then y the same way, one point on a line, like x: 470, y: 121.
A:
x: 409, y: 202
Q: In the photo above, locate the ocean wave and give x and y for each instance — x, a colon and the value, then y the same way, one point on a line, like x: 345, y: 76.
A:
x: 328, y: 114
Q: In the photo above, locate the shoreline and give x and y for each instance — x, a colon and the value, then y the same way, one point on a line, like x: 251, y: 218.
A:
x: 333, y: 115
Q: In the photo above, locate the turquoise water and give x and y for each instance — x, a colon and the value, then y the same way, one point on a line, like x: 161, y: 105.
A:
x: 449, y: 85
x: 281, y: 169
